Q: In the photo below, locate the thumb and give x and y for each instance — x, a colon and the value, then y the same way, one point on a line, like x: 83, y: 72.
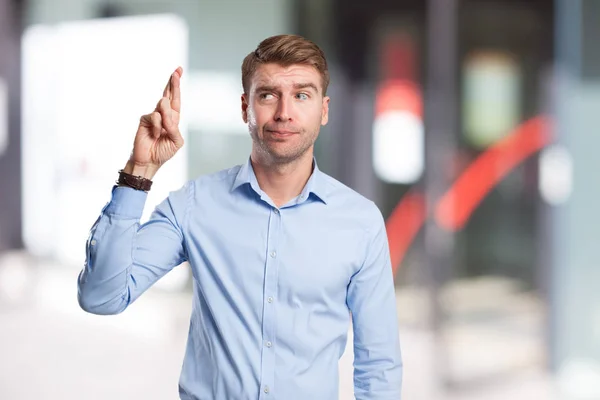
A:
x: 176, y: 137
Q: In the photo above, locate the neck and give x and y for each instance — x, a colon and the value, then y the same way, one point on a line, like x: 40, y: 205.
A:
x: 282, y: 182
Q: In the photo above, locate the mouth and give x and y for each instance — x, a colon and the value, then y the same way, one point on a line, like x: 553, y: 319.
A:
x: 281, y: 133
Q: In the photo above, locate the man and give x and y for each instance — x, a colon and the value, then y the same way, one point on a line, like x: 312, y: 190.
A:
x: 283, y: 256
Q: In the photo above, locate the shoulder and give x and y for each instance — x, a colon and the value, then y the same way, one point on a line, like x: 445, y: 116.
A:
x: 348, y: 201
x: 209, y: 183
x: 215, y: 180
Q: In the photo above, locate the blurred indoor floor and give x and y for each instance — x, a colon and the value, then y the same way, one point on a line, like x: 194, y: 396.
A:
x: 51, y: 349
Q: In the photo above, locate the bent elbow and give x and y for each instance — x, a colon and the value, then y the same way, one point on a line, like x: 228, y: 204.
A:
x: 96, y: 306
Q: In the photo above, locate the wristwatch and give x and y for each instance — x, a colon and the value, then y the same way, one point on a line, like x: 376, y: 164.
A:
x: 133, y: 181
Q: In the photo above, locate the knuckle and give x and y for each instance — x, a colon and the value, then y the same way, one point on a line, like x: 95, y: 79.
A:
x: 155, y: 118
x: 163, y: 105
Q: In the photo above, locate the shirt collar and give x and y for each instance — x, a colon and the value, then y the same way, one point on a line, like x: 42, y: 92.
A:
x: 316, y: 184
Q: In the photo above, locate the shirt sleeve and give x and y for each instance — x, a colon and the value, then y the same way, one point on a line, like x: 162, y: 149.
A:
x: 124, y: 258
x: 372, y: 302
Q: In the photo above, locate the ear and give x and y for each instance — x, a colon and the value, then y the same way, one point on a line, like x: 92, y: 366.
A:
x: 245, y: 108
x: 325, y: 111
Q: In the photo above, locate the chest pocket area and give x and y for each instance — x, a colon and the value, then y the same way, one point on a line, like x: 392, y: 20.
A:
x: 316, y: 269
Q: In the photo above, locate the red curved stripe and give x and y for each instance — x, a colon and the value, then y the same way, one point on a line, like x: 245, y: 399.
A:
x: 456, y: 206
x: 460, y: 201
x: 403, y: 225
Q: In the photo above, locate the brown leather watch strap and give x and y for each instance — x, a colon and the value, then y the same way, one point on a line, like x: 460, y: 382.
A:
x: 133, y: 181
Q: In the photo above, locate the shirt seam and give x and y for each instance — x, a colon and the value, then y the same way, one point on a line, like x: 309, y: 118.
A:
x: 185, y: 226
x: 368, y: 243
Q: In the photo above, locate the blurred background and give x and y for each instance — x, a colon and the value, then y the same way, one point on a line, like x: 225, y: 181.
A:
x: 473, y: 124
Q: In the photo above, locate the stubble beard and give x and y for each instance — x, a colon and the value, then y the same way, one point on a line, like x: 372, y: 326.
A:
x: 270, y: 154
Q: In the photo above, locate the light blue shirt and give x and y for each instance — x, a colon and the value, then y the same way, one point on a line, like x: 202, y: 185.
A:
x: 274, y: 289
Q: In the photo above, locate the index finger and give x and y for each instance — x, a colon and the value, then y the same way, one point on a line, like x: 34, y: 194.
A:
x: 175, y: 95
x: 168, y: 91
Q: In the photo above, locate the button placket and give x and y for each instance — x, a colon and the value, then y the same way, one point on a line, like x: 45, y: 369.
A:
x: 269, y: 323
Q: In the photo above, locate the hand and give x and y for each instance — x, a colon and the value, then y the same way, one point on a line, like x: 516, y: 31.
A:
x: 158, y: 137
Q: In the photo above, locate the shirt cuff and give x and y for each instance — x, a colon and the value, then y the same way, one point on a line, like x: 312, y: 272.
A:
x: 127, y: 202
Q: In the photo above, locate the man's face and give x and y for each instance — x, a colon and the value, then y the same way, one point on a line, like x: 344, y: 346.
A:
x: 284, y: 109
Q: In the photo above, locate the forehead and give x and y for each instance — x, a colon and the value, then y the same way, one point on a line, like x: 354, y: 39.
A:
x: 285, y: 76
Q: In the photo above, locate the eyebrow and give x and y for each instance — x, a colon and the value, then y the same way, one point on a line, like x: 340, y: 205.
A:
x: 306, y: 86
x: 272, y: 88
x: 265, y: 88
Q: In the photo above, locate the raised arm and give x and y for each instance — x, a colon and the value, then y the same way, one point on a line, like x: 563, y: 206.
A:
x: 123, y: 259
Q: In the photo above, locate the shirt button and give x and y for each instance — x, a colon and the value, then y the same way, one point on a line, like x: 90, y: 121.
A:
x: 269, y: 344
x: 270, y: 299
x: 273, y: 254
x: 93, y: 242
x: 266, y: 390
x: 276, y: 211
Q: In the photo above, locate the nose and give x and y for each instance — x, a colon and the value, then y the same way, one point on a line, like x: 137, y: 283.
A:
x: 283, y: 113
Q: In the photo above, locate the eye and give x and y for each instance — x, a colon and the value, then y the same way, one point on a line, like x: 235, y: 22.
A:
x: 266, y: 96
x: 302, y: 96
